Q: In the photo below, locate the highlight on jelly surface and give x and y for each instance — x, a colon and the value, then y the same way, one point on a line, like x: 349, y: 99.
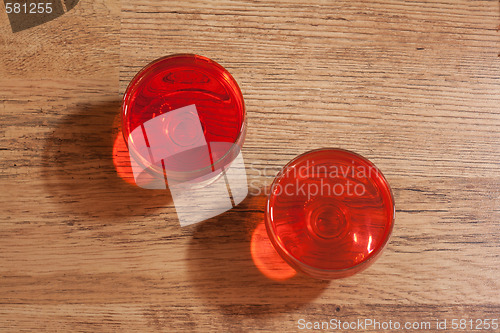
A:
x: 175, y: 143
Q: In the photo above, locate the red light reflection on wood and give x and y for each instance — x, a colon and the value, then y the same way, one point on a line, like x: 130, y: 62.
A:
x: 265, y: 257
x: 121, y: 160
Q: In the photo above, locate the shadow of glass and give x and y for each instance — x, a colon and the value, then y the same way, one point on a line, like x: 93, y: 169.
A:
x: 80, y: 163
x: 223, y: 273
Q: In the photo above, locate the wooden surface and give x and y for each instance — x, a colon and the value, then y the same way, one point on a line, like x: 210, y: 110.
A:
x: 412, y: 85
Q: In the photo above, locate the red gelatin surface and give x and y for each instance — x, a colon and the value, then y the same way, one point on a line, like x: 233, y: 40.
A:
x: 330, y: 213
x: 178, y: 81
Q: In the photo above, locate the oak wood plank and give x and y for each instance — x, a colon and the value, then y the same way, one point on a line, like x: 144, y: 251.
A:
x: 411, y: 85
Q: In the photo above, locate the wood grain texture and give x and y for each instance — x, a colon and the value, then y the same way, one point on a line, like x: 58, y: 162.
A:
x: 412, y: 85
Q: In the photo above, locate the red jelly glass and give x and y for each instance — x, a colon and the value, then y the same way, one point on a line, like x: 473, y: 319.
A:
x: 330, y: 213
x: 200, y: 112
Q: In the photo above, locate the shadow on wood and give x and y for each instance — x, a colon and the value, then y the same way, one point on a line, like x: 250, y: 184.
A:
x: 223, y: 272
x: 79, y: 168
